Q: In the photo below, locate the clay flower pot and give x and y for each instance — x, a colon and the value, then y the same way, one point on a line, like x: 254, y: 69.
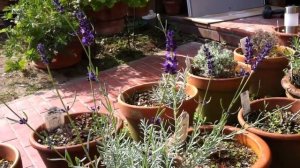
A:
x: 109, y: 21
x: 284, y: 147
x: 284, y: 39
x: 68, y: 57
x: 172, y: 7
x: 10, y: 153
x: 73, y: 150
x: 220, y: 89
x: 265, y: 81
x: 291, y: 91
x: 134, y: 114
x: 252, y: 141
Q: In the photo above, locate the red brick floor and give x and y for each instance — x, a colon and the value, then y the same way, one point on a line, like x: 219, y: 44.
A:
x: 137, y: 72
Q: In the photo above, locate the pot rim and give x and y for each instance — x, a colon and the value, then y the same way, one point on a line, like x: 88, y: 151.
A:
x: 264, y: 152
x: 214, y: 79
x: 289, y: 87
x: 45, y: 148
x: 16, y: 152
x: 149, y: 84
x: 265, y: 134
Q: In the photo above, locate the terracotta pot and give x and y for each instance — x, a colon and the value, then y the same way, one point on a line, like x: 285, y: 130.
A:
x: 284, y: 39
x: 291, y: 91
x: 222, y: 89
x: 265, y: 81
x: 109, y: 21
x: 10, y: 153
x: 70, y: 56
x: 134, y: 114
x: 252, y: 141
x: 172, y: 7
x: 284, y: 147
x: 73, y: 150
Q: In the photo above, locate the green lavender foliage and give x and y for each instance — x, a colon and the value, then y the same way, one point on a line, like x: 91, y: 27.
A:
x: 294, y: 63
x: 223, y: 63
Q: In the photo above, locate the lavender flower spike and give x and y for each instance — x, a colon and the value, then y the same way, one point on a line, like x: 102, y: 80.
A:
x: 58, y: 6
x: 86, y: 30
x: 170, y: 43
x: 170, y: 65
x: 210, y: 62
x: 42, y: 51
x: 91, y: 76
x: 249, y: 51
x: 262, y: 56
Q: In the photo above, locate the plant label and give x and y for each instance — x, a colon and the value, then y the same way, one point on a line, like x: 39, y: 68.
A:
x: 182, y: 131
x: 54, y: 120
x: 242, y: 44
x: 245, y: 101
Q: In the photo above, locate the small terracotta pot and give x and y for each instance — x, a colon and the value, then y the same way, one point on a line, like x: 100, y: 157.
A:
x: 265, y: 81
x: 252, y: 141
x: 109, y: 21
x: 220, y: 89
x: 134, y: 114
x: 284, y: 39
x: 291, y: 91
x: 172, y: 7
x: 70, y: 56
x: 284, y: 147
x: 73, y: 150
x: 10, y: 153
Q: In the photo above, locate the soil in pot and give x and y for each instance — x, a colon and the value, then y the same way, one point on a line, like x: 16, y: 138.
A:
x: 279, y: 128
x: 65, y: 135
x: 144, y: 108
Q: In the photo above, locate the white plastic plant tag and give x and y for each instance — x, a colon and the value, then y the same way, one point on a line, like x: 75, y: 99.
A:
x: 245, y: 101
x: 54, y: 120
x: 242, y: 44
x: 182, y: 132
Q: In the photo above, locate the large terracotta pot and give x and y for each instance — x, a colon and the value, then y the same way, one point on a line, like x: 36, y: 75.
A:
x: 220, y: 90
x: 291, y: 91
x: 68, y: 57
x: 172, y: 7
x: 252, y: 141
x: 284, y: 39
x: 265, y: 81
x: 10, y: 153
x: 134, y: 114
x: 284, y: 147
x: 109, y: 21
x: 73, y: 150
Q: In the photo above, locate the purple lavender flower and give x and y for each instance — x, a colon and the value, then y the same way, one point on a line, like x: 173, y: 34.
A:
x: 156, y: 121
x: 23, y: 121
x: 243, y: 72
x: 249, y: 51
x: 210, y: 62
x: 58, y: 6
x: 262, y: 56
x: 170, y: 65
x: 42, y: 51
x: 91, y: 76
x: 85, y: 27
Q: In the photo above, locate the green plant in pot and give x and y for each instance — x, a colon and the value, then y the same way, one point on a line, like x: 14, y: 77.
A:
x: 148, y: 100
x: 40, y: 22
x: 275, y: 61
x: 218, y: 78
x: 291, y: 81
x: 277, y: 121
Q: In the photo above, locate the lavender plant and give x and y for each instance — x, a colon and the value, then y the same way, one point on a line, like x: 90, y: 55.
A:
x: 294, y: 64
x: 214, y: 60
x: 261, y: 38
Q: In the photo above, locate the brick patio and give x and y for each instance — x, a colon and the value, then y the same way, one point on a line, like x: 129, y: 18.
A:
x: 147, y: 69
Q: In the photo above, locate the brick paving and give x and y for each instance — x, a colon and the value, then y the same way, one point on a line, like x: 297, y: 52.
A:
x: 147, y: 69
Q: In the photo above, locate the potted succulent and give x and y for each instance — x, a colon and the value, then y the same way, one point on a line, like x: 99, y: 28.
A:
x: 218, y: 78
x: 291, y: 81
x: 272, y: 65
x: 40, y: 22
x: 147, y: 101
x: 276, y: 121
x: 172, y: 7
x: 9, y: 156
x: 106, y: 15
